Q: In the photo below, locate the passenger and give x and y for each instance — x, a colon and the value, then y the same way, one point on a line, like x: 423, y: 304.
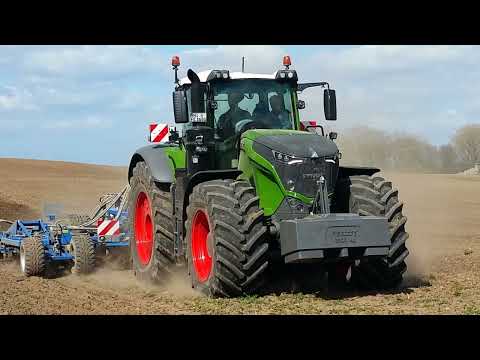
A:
x: 228, y: 120
x: 279, y: 116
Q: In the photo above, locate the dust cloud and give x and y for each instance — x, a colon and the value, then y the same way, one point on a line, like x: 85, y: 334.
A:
x: 442, y: 212
x: 113, y: 274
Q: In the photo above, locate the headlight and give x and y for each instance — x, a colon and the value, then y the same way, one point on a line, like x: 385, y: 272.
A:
x: 218, y: 74
x: 287, y: 159
x: 291, y: 185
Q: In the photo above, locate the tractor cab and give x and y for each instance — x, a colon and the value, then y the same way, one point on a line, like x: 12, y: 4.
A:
x: 230, y: 103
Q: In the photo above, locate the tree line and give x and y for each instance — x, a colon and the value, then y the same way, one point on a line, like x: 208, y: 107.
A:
x: 365, y: 146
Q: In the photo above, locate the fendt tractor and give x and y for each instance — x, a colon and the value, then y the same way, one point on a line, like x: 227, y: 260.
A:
x: 243, y: 187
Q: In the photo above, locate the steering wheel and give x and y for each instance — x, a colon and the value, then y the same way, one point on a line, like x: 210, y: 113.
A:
x: 241, y: 127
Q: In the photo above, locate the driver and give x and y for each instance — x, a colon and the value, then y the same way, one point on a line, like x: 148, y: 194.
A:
x: 261, y: 110
x: 279, y: 116
x: 228, y: 120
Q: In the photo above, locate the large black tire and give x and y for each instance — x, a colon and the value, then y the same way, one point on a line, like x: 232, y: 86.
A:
x: 32, y: 256
x: 237, y: 240
x: 159, y: 266
x: 83, y: 250
x: 373, y: 195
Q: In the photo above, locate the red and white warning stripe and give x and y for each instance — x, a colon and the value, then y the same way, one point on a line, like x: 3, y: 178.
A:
x: 304, y: 124
x: 159, y: 133
x: 108, y: 227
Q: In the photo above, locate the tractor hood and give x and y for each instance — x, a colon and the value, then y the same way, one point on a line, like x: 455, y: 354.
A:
x: 319, y: 158
x: 300, y: 144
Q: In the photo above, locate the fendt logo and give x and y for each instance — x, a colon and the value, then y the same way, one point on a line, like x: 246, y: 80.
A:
x: 344, y: 235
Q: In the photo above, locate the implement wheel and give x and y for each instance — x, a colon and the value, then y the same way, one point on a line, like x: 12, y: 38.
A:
x: 83, y: 251
x: 32, y: 256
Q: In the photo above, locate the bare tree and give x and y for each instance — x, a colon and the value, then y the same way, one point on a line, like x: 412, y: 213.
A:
x: 466, y: 142
x: 448, y: 158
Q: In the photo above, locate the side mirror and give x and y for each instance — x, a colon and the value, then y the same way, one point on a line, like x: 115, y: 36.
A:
x: 330, y: 104
x: 180, y: 108
x: 301, y: 105
x: 333, y: 136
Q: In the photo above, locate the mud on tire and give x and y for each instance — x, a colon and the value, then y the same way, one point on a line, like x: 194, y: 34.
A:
x: 373, y: 195
x: 237, y: 240
x: 84, y: 252
x: 158, y: 268
x: 32, y: 256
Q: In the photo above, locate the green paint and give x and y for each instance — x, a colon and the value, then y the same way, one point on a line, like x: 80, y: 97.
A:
x: 263, y: 176
x: 295, y: 109
x: 177, y: 157
x: 256, y: 133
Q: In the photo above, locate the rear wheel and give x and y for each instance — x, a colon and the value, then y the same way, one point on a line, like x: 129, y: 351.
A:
x: 226, y: 239
x: 32, y: 256
x: 83, y: 251
x: 150, y: 220
x: 375, y: 196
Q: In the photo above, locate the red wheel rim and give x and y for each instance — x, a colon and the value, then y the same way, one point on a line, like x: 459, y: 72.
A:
x: 202, y: 261
x: 143, y: 229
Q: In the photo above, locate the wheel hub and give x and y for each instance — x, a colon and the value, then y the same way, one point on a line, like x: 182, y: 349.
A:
x: 143, y: 229
x: 202, y: 247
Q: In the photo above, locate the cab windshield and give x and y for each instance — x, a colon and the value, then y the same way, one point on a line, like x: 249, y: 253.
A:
x: 266, y: 103
x: 240, y: 104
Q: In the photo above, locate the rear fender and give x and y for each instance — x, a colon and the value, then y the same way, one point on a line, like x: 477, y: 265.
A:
x: 157, y: 160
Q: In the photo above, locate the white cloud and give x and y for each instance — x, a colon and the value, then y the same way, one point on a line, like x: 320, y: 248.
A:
x: 103, y: 61
x: 451, y: 112
x: 408, y: 88
x: 379, y: 58
x: 258, y: 58
x: 12, y: 98
x: 89, y: 122
x: 430, y: 90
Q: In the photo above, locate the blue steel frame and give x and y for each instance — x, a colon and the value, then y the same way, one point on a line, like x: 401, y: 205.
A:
x: 11, y: 240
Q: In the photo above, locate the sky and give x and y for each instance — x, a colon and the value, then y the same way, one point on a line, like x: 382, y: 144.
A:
x: 93, y: 104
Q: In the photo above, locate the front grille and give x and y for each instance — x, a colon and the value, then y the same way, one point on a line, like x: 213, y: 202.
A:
x: 306, y: 175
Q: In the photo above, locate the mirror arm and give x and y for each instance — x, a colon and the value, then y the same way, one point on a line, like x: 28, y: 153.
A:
x: 304, y: 86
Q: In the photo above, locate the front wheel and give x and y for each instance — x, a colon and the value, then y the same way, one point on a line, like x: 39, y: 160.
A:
x: 373, y: 195
x: 226, y: 239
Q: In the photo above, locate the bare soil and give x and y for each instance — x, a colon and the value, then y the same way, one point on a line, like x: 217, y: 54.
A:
x: 444, y: 266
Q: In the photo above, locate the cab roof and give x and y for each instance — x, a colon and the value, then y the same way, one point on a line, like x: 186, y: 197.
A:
x: 203, y: 76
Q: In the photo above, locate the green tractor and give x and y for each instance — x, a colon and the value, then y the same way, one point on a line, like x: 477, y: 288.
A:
x: 243, y: 187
